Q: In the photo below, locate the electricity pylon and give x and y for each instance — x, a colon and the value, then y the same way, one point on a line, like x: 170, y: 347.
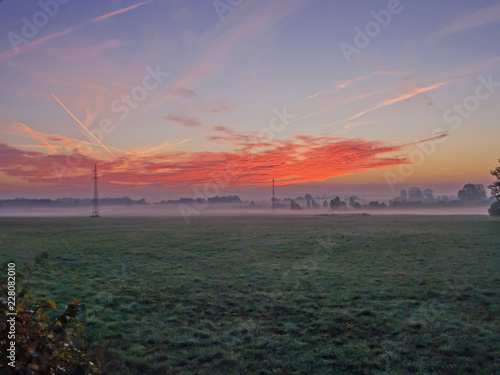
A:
x: 95, y: 201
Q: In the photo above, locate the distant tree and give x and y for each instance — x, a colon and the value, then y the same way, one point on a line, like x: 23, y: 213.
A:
x: 352, y: 200
x: 403, y: 195
x: 325, y: 204
x: 294, y: 205
x: 429, y: 195
x: 308, y: 203
x: 415, y: 195
x: 308, y: 197
x: 495, y: 186
x: 472, y: 193
x: 333, y: 202
x: 444, y: 198
x: 314, y: 204
x: 336, y: 203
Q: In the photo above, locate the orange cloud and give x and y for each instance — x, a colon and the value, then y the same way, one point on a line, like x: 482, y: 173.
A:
x: 301, y: 159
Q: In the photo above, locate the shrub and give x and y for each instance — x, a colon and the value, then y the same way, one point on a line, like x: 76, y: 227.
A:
x: 48, y: 340
x: 495, y: 209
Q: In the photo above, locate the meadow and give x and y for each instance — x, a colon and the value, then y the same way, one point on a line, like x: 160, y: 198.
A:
x: 274, y: 294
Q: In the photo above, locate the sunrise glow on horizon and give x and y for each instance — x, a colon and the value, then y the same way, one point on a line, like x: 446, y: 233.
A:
x: 322, y: 96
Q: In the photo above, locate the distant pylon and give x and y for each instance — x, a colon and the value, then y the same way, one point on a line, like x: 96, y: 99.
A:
x: 273, y: 194
x: 95, y: 201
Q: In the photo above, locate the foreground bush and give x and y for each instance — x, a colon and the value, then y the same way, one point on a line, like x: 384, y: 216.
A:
x: 495, y: 209
x: 48, y: 341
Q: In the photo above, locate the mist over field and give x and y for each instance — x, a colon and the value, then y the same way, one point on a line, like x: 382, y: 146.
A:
x: 220, y: 210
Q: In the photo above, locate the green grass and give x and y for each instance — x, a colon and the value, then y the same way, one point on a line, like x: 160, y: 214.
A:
x: 262, y: 295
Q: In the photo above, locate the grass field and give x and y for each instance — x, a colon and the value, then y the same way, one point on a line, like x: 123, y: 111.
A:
x: 274, y: 295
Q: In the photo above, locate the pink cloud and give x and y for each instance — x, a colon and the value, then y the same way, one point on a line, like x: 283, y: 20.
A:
x: 184, y: 120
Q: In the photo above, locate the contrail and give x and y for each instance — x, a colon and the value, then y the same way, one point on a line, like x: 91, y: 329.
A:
x: 83, y: 126
x: 97, y: 19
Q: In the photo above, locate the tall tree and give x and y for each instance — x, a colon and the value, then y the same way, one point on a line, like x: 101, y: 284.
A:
x: 495, y: 192
x: 495, y: 186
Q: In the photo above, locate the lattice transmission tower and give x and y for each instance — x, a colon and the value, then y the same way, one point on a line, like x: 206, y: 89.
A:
x: 273, y: 196
x: 95, y: 201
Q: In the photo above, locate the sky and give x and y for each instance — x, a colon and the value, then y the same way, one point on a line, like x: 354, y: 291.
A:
x: 177, y: 98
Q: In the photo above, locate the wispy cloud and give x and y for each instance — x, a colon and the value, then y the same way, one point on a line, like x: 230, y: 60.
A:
x: 402, y: 97
x: 162, y: 147
x: 13, y: 52
x: 8, y: 54
x: 216, y: 51
x: 481, y: 17
x: 338, y: 86
x: 19, y: 129
x: 51, y: 144
x: 181, y: 119
x: 393, y: 72
x: 84, y: 127
x: 184, y: 92
x: 120, y: 11
x: 201, y: 104
x: 81, y: 52
x: 483, y: 65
